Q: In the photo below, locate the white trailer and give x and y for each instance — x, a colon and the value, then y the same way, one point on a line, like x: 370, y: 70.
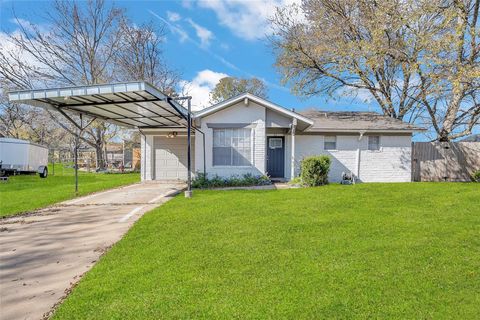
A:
x: 22, y: 156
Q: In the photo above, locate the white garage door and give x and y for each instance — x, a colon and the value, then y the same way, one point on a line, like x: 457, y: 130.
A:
x: 171, y: 158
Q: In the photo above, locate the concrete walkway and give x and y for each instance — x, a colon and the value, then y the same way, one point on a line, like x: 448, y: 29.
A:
x: 42, y: 255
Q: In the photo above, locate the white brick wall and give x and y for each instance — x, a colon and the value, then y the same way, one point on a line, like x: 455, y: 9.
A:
x: 343, y: 159
x: 392, y: 163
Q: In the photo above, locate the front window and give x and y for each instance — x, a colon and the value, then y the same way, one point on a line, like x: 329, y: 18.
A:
x: 232, y: 147
x: 373, y: 142
x: 330, y: 143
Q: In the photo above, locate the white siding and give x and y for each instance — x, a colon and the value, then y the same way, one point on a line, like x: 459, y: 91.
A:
x: 147, y: 158
x: 276, y: 120
x: 392, y: 163
x: 252, y: 114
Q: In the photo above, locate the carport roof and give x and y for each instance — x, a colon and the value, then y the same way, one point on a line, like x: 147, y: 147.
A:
x: 129, y: 104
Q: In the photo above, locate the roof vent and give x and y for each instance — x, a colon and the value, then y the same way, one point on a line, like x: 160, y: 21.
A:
x: 245, y: 101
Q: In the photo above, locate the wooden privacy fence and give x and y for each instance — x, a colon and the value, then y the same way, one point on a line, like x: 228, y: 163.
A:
x: 445, y: 161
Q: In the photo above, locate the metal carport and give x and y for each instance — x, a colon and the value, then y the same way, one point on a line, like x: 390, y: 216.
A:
x: 131, y: 104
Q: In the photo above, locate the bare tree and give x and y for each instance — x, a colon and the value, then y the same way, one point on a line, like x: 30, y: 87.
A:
x: 399, y: 52
x: 87, y: 43
x: 79, y: 48
x: 33, y: 124
x: 141, y: 57
x: 12, y: 118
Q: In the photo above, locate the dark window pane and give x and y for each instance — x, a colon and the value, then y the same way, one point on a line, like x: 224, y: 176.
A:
x: 222, y: 156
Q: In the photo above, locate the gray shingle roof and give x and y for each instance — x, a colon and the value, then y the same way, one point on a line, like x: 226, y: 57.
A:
x: 353, y: 120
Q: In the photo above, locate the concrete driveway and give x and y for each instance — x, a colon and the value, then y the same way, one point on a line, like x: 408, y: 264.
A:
x: 42, y: 255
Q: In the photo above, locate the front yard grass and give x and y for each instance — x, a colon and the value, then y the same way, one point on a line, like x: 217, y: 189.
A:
x: 402, y: 251
x: 24, y: 193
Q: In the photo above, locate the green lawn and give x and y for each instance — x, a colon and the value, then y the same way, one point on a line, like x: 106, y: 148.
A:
x: 403, y: 251
x: 28, y: 192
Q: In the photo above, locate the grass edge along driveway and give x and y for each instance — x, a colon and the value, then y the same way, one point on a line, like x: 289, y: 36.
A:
x: 364, y: 251
x: 26, y: 193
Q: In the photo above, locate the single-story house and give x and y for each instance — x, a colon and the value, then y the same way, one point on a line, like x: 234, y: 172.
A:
x: 248, y: 134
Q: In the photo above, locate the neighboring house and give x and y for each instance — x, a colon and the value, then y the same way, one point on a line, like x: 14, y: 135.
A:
x: 117, y: 153
x: 248, y: 134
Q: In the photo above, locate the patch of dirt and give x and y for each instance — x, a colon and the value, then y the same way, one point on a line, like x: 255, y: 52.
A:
x: 18, y: 217
x: 66, y: 293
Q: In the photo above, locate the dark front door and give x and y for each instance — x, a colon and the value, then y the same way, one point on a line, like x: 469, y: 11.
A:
x: 275, y: 157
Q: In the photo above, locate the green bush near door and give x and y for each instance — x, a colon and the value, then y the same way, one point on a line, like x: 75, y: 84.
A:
x: 315, y: 170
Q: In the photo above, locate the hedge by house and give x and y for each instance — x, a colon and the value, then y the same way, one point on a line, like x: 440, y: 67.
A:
x: 202, y: 181
x: 314, y: 170
x: 476, y: 176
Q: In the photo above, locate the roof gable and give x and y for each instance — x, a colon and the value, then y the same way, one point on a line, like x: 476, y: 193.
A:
x: 263, y: 102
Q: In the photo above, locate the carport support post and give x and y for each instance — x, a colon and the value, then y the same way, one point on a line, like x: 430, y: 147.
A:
x: 188, y: 193
x: 292, y: 158
x: 77, y: 140
x: 75, y: 157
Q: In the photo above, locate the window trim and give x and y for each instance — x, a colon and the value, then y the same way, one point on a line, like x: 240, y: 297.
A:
x: 252, y: 136
x: 324, y: 141
x: 379, y: 143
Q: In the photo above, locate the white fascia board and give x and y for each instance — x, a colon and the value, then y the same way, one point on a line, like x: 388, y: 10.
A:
x: 86, y: 90
x: 165, y: 130
x: 218, y: 106
x: 72, y: 91
x: 261, y: 101
x: 319, y: 130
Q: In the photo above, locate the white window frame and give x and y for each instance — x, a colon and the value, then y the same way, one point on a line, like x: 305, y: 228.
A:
x: 270, y: 139
x: 379, y: 143
x: 325, y: 142
x: 251, y: 160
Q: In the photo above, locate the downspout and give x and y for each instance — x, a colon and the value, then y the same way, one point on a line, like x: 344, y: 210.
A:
x: 357, y: 169
x: 292, y: 165
x: 188, y: 193
x: 188, y: 118
x: 204, y: 156
x: 144, y: 155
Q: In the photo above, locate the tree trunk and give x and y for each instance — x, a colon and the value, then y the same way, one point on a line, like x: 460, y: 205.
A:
x: 100, y: 156
x: 450, y: 116
x: 106, y: 155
